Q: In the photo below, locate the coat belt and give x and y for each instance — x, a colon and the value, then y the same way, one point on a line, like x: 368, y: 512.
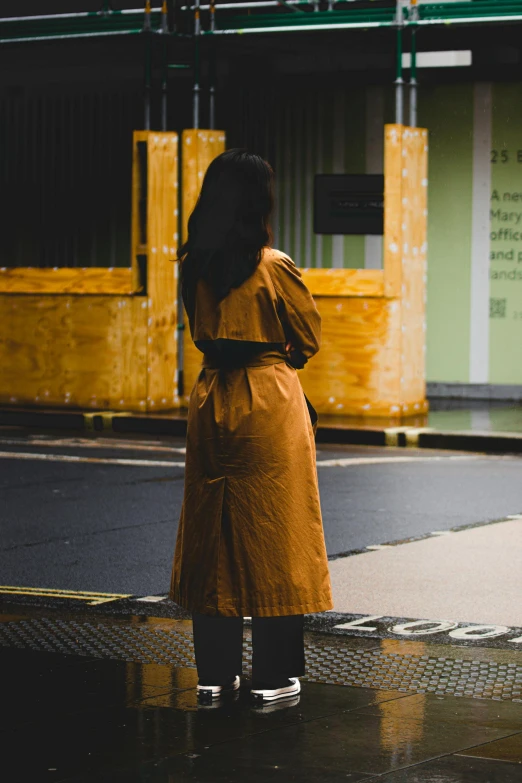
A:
x: 263, y: 359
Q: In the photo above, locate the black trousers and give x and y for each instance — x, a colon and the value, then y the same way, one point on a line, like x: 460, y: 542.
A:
x: 277, y: 647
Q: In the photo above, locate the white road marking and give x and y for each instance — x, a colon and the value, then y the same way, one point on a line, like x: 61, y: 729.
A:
x: 99, y: 443
x: 152, y: 599
x: 479, y: 632
x: 98, y: 460
x: 359, y: 624
x: 332, y: 463
x: 455, y: 630
x: 347, y: 462
x: 378, y: 547
x: 417, y: 627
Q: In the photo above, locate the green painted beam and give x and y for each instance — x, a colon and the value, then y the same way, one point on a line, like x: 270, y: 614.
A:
x: 430, y: 13
x: 88, y: 26
x: 470, y: 11
x: 332, y: 19
x: 130, y: 22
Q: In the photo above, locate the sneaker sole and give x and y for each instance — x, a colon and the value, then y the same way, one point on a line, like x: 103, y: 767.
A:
x: 281, y: 693
x: 215, y: 691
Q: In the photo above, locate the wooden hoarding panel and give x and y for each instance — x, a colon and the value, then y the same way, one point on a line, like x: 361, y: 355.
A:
x: 393, y: 204
x: 162, y: 243
x: 73, y: 351
x: 414, y: 271
x: 356, y: 371
x: 344, y: 282
x: 65, y: 280
x: 199, y: 148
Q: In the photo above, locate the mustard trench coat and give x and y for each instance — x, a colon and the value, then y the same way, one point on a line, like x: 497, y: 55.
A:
x: 250, y: 539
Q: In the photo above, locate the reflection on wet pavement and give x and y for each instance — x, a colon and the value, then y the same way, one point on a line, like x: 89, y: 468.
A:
x: 88, y: 718
x: 370, y: 663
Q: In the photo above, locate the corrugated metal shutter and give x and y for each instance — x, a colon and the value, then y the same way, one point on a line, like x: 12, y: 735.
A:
x: 65, y: 174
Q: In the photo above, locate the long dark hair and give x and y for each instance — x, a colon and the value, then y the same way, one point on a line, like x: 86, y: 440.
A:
x: 230, y: 224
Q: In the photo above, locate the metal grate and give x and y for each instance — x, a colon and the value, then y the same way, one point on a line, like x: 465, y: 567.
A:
x: 329, y: 660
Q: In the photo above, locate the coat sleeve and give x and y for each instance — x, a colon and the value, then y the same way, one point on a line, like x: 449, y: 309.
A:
x: 297, y: 310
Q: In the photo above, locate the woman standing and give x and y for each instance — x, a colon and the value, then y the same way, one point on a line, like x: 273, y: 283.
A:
x: 250, y: 539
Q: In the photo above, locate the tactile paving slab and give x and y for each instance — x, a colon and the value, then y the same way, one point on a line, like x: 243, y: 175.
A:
x: 331, y: 660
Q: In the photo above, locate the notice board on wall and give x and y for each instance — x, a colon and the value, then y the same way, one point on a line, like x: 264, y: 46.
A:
x: 349, y: 204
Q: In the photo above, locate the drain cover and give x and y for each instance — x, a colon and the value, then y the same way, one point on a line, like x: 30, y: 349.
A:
x: 333, y: 660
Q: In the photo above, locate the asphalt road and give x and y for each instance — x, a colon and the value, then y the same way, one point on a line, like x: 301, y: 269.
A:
x: 101, y: 514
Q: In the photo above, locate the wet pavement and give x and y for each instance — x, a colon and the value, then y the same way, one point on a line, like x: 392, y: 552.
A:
x: 100, y: 686
x: 412, y: 534
x: 101, y: 514
x: 445, y: 415
x: 475, y: 416
x: 102, y: 714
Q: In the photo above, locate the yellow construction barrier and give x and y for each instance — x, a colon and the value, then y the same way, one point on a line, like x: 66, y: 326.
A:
x: 100, y: 338
x: 372, y: 361
x: 199, y: 148
x: 106, y: 339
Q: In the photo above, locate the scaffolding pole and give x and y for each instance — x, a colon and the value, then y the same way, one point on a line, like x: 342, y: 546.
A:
x: 196, y: 89
x: 164, y: 66
x: 414, y: 88
x: 212, y: 68
x: 147, y: 32
x: 180, y: 327
x: 399, y: 81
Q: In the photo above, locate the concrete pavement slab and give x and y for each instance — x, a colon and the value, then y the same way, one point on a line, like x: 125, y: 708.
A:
x: 456, y: 769
x: 473, y: 576
x: 508, y: 749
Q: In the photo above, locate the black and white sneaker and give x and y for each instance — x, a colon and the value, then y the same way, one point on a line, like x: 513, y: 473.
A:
x: 266, y: 692
x: 206, y: 690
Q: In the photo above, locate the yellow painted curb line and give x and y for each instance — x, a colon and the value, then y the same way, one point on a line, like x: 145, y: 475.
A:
x: 411, y: 435
x: 105, y: 416
x: 93, y: 599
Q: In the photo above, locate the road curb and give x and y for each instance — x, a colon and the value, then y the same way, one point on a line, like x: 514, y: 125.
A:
x: 490, y: 442
x: 97, y: 421
x: 176, y: 425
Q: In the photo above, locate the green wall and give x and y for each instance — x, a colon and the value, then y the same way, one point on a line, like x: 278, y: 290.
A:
x: 355, y: 163
x: 448, y: 114
x: 325, y: 131
x: 505, y: 341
